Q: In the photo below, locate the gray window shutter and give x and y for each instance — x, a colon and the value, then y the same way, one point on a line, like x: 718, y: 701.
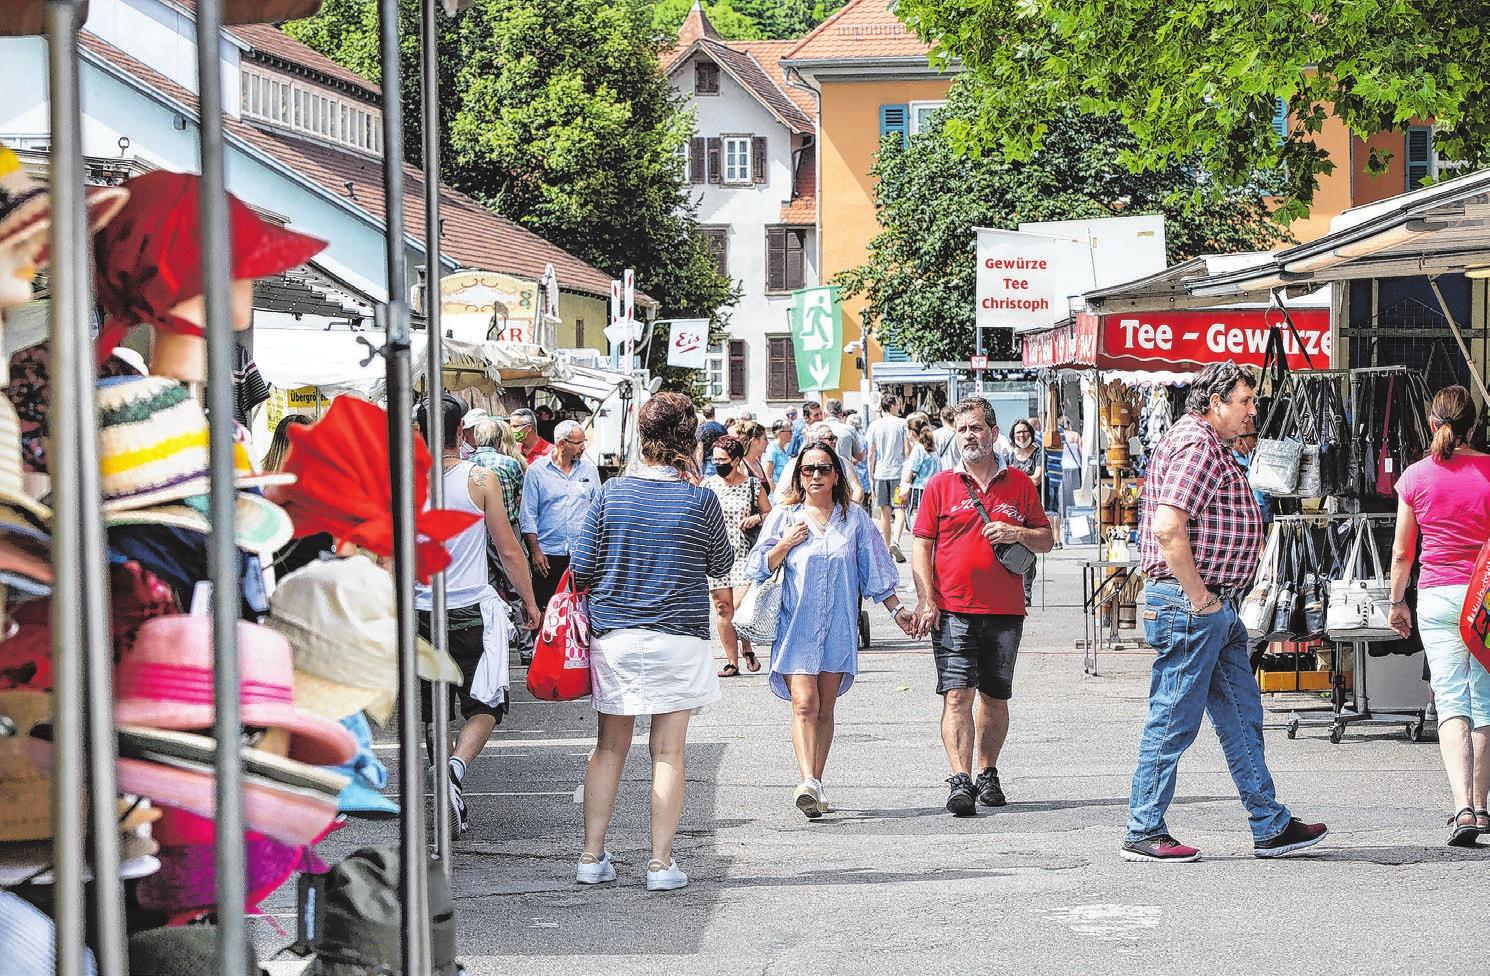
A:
x: 795, y: 276
x: 697, y: 149
x: 715, y: 150
x: 775, y: 259
x: 737, y: 351
x: 758, y: 158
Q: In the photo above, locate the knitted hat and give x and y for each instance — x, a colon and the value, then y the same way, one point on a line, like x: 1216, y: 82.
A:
x: 26, y: 207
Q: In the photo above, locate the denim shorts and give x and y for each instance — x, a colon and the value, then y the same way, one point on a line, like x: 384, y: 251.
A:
x: 884, y: 492
x: 1461, y: 685
x: 977, y: 650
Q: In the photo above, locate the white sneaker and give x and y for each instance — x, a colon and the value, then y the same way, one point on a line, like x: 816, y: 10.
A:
x: 598, y: 871
x: 810, y: 800
x: 660, y: 878
x: 822, y: 799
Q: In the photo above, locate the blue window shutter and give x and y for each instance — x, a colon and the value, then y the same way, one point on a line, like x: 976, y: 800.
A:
x: 896, y: 119
x: 895, y: 354
x: 1280, y: 119
x: 1419, y: 155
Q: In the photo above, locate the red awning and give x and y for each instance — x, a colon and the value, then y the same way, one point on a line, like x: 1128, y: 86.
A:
x: 1178, y: 340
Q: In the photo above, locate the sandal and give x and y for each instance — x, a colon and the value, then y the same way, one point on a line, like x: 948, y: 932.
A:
x: 1482, y: 820
x: 733, y: 671
x: 1463, y: 834
x: 751, y: 661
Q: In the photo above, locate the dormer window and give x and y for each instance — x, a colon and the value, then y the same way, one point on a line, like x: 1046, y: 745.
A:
x: 705, y: 78
x: 313, y: 111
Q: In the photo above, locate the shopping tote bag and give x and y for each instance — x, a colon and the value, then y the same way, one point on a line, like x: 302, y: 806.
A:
x: 1474, y: 619
x: 561, y: 660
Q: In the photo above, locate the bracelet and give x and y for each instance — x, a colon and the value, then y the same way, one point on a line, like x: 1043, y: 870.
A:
x: 1398, y: 603
x: 897, y: 611
x: 1213, y: 601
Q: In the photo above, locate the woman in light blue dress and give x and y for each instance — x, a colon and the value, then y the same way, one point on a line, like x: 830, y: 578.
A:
x: 833, y: 556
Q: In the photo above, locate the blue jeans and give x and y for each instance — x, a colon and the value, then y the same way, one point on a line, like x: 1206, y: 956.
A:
x: 1202, y: 668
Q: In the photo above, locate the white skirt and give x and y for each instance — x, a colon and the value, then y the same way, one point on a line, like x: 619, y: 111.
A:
x: 635, y: 671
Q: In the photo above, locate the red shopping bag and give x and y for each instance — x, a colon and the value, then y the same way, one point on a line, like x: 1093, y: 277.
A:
x: 1474, y: 619
x: 561, y: 659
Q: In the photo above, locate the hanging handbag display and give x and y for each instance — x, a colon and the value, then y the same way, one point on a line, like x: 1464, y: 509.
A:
x: 1286, y: 600
x: 1274, y: 468
x: 1386, y: 465
x: 1016, y: 557
x: 1311, y: 480
x: 1360, y: 606
x: 1331, y: 436
x: 561, y: 658
x: 1256, y: 612
x: 1310, y: 619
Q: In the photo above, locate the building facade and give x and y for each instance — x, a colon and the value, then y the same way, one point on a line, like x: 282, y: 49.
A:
x: 751, y: 168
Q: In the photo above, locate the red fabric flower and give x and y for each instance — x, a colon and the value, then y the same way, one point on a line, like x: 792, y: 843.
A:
x: 343, y: 486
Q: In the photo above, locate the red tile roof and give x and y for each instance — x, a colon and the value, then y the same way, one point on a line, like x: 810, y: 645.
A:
x: 752, y: 75
x: 860, y: 30
x: 274, y: 42
x: 769, y: 54
x: 694, y: 26
x: 473, y: 236
x: 803, y: 206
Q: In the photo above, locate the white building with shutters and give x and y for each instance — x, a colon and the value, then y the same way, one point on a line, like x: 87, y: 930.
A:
x: 751, y: 167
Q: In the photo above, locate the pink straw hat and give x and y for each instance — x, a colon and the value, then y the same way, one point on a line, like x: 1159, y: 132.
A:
x: 165, y: 682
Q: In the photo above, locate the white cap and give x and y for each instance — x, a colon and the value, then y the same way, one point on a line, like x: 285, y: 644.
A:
x: 474, y: 416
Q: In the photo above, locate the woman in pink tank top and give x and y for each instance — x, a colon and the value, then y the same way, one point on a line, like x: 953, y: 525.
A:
x: 1445, y: 499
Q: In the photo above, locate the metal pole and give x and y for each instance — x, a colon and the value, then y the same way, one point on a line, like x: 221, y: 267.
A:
x: 412, y: 884
x: 70, y: 335
x: 434, y: 388
x: 1448, y: 317
x: 223, y: 565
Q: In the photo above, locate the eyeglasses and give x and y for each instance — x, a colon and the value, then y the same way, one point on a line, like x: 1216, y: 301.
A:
x: 812, y: 469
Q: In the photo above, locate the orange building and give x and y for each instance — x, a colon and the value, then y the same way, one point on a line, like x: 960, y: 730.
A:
x: 871, y: 78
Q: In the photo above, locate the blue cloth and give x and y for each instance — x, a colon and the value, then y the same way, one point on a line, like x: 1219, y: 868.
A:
x: 362, y: 797
x: 1264, y: 500
x: 923, y: 465
x: 554, y: 504
x: 778, y: 456
x: 825, y: 578
x: 709, y: 432
x: 1202, y: 668
x: 795, y: 447
x: 645, y: 551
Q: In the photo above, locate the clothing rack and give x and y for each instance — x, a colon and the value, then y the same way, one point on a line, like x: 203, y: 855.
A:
x: 84, y: 741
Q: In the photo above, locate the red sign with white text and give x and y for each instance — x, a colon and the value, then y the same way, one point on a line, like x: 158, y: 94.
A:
x: 1181, y: 340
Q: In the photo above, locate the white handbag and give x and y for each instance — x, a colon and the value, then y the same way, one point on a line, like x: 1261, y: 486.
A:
x: 759, y: 612
x: 1274, y: 468
x: 1256, y: 613
x: 1360, y: 608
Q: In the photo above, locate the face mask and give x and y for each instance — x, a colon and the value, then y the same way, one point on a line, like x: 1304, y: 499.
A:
x: 724, y: 469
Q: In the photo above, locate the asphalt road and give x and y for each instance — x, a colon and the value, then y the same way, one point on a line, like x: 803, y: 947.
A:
x: 892, y: 884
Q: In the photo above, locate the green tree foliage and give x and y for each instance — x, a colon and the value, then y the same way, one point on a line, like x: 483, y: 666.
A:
x: 1199, y: 80
x: 745, y: 20
x: 731, y: 23
x: 919, y: 278
x: 554, y: 113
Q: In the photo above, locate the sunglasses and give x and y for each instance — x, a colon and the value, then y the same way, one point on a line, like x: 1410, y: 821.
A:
x: 812, y: 469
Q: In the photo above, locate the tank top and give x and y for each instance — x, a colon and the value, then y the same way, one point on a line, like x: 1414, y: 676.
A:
x: 467, y: 576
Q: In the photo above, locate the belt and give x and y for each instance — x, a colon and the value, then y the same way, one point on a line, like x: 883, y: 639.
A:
x: 1227, y: 594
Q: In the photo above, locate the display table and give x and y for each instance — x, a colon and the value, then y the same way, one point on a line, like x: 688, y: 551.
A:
x: 1101, y: 582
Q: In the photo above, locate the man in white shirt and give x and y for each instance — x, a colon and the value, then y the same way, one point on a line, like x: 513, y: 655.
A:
x: 886, y: 438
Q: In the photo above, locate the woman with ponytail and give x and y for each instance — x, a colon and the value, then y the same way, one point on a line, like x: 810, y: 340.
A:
x: 648, y: 546
x: 1445, y: 498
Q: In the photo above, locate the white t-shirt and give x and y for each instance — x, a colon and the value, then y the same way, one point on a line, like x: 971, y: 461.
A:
x: 887, y: 437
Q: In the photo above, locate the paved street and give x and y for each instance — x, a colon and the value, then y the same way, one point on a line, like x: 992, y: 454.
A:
x: 892, y: 884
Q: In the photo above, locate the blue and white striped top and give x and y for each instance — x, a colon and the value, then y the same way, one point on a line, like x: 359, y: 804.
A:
x: 644, y: 552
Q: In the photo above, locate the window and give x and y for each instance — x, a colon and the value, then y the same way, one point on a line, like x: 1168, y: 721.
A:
x: 579, y: 333
x: 923, y: 115
x: 894, y: 121
x: 705, y: 78
x: 737, y: 353
x: 284, y: 102
x: 1420, y: 160
x: 737, y: 159
x: 1280, y: 119
x: 715, y: 380
x: 781, y: 369
x: 717, y: 240
x: 786, y: 249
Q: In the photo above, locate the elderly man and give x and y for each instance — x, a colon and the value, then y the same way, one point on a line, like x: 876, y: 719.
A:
x: 468, y: 424
x: 1199, y: 540
x: 970, y: 602
x: 525, y: 429
x: 557, y: 492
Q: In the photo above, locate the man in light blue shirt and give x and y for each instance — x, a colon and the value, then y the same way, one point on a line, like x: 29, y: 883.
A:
x: 557, y: 492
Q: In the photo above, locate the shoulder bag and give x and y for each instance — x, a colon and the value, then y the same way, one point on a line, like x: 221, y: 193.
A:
x: 1474, y: 617
x: 1360, y: 607
x: 759, y: 613
x: 1274, y: 469
x: 1016, y: 557
x: 1256, y: 613
x: 561, y: 658
x: 752, y: 536
x: 1309, y: 620
x: 1311, y: 474
x: 1386, y: 465
x: 1287, y: 588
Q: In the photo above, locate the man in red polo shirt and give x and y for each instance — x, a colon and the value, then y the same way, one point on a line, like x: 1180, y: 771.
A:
x: 525, y: 428
x: 971, y: 605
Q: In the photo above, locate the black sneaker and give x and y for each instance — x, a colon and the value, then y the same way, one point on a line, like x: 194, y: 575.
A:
x: 990, y: 793
x: 1160, y: 848
x: 1297, y: 836
x: 460, y: 817
x: 963, y: 802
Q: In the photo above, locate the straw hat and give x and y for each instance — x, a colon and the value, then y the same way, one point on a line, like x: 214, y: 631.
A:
x: 25, y: 794
x: 12, y: 490
x: 26, y: 207
x: 259, y: 525
x: 165, y: 682
x: 339, y: 617
x: 153, y: 445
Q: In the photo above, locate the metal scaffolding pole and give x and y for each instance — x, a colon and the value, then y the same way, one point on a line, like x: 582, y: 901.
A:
x: 69, y: 397
x: 413, y: 889
x: 434, y: 388
x: 223, y: 562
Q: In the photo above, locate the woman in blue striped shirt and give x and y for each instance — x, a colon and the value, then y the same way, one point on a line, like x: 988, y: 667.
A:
x: 649, y: 543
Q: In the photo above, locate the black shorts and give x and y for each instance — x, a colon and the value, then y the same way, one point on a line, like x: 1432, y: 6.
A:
x: 977, y: 650
x: 466, y: 647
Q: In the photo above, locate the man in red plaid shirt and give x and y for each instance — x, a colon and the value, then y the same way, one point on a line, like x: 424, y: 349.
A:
x: 1199, y: 545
